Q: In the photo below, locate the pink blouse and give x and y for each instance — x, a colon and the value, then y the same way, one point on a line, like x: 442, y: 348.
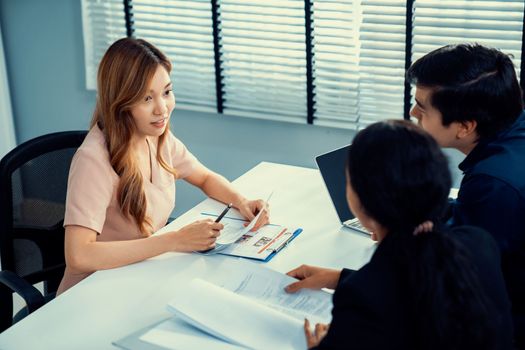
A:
x: 92, y: 192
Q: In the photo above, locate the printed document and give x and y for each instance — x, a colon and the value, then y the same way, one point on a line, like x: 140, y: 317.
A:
x: 236, y: 239
x: 239, y: 305
x: 247, y: 306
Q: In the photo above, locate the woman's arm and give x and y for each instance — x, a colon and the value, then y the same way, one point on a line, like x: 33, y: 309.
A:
x: 85, y: 254
x: 214, y: 185
x: 217, y: 187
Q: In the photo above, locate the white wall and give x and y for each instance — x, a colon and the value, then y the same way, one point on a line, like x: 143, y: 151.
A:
x: 7, y: 130
x: 232, y: 145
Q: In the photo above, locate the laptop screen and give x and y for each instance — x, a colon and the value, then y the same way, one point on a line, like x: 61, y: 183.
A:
x: 332, y: 168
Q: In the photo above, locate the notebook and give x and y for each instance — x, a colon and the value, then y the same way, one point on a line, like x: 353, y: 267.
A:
x: 332, y: 168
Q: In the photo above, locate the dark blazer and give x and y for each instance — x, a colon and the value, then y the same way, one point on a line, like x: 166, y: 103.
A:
x: 370, y: 304
x: 492, y: 196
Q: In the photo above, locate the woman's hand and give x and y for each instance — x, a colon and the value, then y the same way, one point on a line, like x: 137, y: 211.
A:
x: 313, y: 277
x: 313, y: 339
x: 250, y: 208
x: 197, y: 236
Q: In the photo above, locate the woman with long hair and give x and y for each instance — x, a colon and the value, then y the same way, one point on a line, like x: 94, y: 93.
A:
x: 121, y: 184
x: 424, y: 287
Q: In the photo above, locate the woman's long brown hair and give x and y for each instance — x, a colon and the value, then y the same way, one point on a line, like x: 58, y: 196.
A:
x: 124, y: 75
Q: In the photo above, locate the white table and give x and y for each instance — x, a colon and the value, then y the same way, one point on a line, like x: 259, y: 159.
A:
x: 111, y: 304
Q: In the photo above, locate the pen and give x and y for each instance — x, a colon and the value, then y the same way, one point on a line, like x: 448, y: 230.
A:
x: 219, y: 218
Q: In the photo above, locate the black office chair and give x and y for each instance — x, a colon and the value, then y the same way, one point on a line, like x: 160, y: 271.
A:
x: 33, y: 185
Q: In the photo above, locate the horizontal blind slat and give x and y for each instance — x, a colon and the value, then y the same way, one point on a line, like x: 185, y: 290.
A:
x: 183, y: 31
x: 263, y: 57
x: 497, y: 24
x: 102, y: 23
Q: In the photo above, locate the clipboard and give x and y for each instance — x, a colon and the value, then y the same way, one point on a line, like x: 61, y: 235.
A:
x: 284, y: 245
x: 261, y: 245
x: 263, y: 253
x: 266, y: 253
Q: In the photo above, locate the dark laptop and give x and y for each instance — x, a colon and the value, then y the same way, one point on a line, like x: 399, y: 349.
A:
x: 332, y: 168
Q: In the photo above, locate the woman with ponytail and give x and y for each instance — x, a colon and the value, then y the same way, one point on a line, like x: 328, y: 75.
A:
x: 424, y: 287
x: 121, y: 184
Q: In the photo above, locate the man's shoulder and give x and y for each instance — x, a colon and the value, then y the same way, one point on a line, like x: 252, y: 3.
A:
x: 502, y: 164
x: 486, y: 184
x: 484, y: 190
x: 473, y: 238
x: 502, y: 158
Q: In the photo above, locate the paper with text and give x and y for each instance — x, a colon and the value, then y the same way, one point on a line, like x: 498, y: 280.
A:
x: 245, y: 304
x: 233, y: 230
x: 266, y: 285
x: 235, y: 318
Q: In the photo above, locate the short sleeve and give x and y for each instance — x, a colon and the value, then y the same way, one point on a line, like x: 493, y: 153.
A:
x: 89, y: 191
x: 181, y: 158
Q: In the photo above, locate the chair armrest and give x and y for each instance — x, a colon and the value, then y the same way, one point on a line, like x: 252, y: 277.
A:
x: 29, y: 293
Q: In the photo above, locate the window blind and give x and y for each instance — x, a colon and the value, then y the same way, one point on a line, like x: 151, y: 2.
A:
x: 359, y: 61
x: 259, y: 66
x: 183, y: 31
x: 336, y: 52
x: 497, y: 24
x: 382, y: 60
x: 103, y: 22
x: 263, y: 58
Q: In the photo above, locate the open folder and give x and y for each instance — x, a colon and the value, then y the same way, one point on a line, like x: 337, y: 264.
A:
x: 238, y: 240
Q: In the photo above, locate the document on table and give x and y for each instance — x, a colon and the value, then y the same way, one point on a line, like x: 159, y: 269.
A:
x: 241, y: 304
x: 267, y: 286
x: 246, y: 305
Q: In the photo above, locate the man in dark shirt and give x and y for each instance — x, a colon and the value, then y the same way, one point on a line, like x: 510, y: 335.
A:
x: 468, y: 98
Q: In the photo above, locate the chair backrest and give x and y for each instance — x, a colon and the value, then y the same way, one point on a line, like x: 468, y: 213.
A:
x: 33, y: 186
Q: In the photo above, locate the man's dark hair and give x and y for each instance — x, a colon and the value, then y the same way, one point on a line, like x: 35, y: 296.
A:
x: 471, y: 82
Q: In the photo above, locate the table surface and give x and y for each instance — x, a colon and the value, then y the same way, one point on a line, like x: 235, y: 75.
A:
x: 111, y: 304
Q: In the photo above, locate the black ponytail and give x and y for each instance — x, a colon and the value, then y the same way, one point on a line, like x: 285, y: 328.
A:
x: 449, y: 310
x: 402, y: 180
